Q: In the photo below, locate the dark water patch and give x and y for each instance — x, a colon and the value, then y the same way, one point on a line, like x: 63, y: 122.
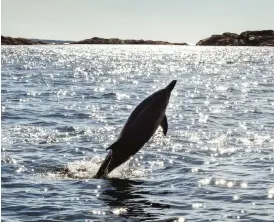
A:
x: 66, y: 129
x: 81, y: 116
x: 4, y: 90
x: 128, y: 194
x: 55, y: 115
x: 110, y: 95
x: 9, y: 115
x: 44, y: 123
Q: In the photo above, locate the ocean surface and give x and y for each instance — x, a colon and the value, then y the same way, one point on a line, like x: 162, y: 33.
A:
x: 62, y: 106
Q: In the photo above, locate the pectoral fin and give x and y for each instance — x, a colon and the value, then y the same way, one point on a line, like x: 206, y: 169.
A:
x: 164, y: 125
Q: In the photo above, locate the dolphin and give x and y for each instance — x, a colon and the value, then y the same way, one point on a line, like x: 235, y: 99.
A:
x: 139, y: 128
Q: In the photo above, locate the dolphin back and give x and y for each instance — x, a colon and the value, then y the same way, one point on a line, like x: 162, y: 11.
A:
x: 133, y: 116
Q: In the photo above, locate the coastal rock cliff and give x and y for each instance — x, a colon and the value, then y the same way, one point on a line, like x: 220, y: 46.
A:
x: 6, y: 40
x: 97, y: 40
x: 248, y: 38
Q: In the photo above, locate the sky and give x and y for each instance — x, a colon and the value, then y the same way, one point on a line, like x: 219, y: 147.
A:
x: 169, y: 20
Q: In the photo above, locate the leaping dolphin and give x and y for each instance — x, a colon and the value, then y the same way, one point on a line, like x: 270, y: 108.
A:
x: 139, y: 128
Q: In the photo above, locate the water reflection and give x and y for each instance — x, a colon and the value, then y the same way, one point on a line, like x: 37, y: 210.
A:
x: 129, y: 196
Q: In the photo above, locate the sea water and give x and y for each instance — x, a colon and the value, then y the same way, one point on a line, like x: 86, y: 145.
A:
x: 62, y: 106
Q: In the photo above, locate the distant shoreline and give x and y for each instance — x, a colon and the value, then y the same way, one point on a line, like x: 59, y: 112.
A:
x: 247, y: 38
x: 6, y: 40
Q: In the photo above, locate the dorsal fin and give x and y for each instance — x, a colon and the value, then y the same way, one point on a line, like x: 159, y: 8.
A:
x: 112, y: 146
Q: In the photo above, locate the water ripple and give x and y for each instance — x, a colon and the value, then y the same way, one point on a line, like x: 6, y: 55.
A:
x: 63, y: 105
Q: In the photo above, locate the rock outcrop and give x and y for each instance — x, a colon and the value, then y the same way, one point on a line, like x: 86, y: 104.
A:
x: 248, y: 38
x: 97, y: 40
x: 6, y: 40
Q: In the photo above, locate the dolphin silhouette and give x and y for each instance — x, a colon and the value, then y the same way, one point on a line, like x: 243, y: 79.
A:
x: 139, y: 128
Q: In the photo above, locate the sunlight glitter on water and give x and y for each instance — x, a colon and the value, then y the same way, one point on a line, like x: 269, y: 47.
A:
x: 62, y: 106
x: 271, y: 193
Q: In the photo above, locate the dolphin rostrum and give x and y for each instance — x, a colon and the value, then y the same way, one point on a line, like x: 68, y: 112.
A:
x: 139, y: 128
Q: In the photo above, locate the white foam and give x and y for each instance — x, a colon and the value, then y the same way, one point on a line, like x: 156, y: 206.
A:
x: 86, y: 169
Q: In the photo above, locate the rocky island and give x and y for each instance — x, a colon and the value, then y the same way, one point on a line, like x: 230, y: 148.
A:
x: 6, y: 40
x: 248, y: 38
x: 114, y: 41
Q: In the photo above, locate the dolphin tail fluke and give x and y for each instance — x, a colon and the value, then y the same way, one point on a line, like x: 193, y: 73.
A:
x: 103, y: 170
